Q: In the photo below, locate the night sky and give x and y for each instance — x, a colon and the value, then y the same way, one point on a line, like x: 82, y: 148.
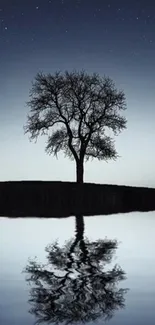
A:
x: 113, y: 38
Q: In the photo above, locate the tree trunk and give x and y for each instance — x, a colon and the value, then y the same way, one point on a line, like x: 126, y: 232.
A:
x: 79, y: 172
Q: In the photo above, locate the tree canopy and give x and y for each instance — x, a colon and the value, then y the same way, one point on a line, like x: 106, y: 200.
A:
x: 79, y: 113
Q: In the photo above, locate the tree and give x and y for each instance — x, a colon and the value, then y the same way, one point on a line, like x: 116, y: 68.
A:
x: 79, y: 113
x: 75, y: 284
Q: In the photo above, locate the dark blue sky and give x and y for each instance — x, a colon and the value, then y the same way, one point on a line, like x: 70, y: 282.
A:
x: 116, y: 38
x: 107, y: 29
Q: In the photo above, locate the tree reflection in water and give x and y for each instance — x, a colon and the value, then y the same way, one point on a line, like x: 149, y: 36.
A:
x: 76, y: 285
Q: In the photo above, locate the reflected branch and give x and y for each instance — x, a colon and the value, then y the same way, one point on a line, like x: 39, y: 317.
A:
x: 76, y: 284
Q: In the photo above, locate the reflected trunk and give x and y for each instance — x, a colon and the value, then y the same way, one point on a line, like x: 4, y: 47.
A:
x: 79, y: 232
x: 79, y: 241
x: 79, y: 227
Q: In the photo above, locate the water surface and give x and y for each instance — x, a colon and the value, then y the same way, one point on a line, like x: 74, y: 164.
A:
x: 21, y: 239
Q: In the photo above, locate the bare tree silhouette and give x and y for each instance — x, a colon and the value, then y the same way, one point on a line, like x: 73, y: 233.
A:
x: 76, y: 285
x: 76, y: 111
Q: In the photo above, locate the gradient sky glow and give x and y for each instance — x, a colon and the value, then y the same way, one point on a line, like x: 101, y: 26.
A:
x: 116, y: 38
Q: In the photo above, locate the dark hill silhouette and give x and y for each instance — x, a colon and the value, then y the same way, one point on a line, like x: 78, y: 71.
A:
x: 60, y: 199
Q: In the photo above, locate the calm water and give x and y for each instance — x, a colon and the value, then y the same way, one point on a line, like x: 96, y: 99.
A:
x: 61, y: 290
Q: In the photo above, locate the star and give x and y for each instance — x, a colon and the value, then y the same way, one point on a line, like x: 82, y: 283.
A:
x: 144, y: 37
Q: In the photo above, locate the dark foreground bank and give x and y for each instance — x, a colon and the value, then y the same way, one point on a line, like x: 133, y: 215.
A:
x: 60, y: 199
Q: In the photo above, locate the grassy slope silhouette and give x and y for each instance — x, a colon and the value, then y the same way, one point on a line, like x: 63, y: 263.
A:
x: 61, y: 199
